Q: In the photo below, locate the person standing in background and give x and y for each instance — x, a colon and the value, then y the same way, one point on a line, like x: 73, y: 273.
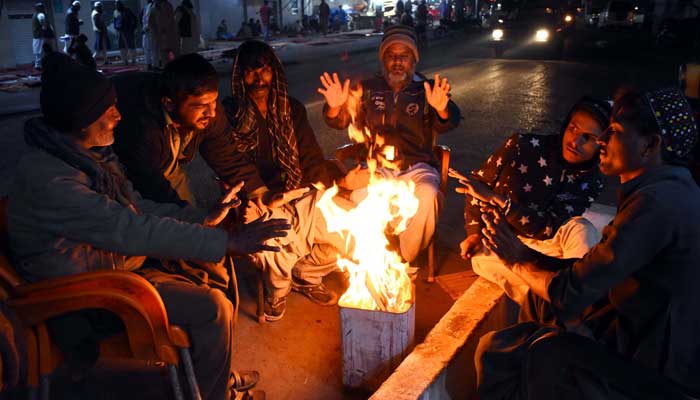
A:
x: 100, y: 29
x: 323, y: 12
x: 188, y: 27
x: 265, y: 12
x: 125, y: 23
x: 37, y: 37
x: 168, y: 38
x: 72, y: 25
x: 149, y: 27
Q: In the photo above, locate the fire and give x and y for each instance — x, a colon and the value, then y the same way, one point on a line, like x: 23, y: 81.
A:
x: 378, y: 276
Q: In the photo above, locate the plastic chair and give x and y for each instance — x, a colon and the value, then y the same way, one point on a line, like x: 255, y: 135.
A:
x: 148, y: 335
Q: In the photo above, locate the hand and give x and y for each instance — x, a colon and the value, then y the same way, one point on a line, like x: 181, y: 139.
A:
x: 275, y: 200
x: 356, y: 178
x: 475, y: 188
x: 336, y: 94
x: 225, y: 204
x: 500, y: 239
x: 470, y: 246
x: 439, y: 95
x: 250, y: 238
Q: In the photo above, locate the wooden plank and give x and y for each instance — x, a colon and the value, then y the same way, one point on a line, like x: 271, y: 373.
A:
x: 374, y: 344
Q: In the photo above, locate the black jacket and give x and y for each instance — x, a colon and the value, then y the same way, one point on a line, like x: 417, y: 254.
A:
x: 144, y: 150
x: 72, y: 23
x: 544, y: 189
x: 314, y: 166
x: 408, y: 123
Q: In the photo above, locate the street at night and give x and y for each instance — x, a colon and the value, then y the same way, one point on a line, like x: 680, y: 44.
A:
x: 500, y: 88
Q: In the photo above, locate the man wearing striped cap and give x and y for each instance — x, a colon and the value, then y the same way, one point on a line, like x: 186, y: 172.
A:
x: 402, y: 109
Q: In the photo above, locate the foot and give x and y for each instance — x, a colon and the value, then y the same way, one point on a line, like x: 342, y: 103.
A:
x: 319, y: 293
x: 275, y: 308
x: 242, y: 381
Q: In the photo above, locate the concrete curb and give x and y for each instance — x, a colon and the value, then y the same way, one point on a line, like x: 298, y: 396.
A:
x: 442, y: 367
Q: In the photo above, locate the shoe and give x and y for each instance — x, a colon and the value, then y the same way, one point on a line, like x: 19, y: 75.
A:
x: 319, y: 294
x: 242, y: 381
x: 275, y: 308
x: 248, y: 395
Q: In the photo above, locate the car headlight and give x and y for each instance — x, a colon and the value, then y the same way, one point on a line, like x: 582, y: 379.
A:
x: 568, y: 18
x: 542, y: 35
x: 497, y: 34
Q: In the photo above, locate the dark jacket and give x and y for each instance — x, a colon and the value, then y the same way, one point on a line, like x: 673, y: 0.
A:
x: 184, y: 25
x: 314, y: 166
x: 408, y: 124
x: 324, y: 10
x: 125, y: 20
x: 144, y: 149
x: 36, y: 27
x: 646, y: 265
x: 72, y: 23
x: 544, y: 189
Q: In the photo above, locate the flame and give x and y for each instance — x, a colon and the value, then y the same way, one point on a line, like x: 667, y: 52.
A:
x: 378, y: 275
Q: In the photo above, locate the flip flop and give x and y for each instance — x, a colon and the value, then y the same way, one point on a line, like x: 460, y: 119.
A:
x: 244, y: 380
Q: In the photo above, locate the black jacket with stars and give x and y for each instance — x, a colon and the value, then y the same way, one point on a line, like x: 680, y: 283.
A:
x: 544, y: 189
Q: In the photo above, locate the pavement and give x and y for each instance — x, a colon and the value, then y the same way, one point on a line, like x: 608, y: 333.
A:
x: 299, y: 356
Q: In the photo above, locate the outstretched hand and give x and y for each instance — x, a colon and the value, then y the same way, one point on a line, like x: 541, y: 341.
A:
x: 474, y: 188
x: 250, y: 238
x: 228, y: 201
x: 439, y: 95
x: 335, y: 92
x: 275, y: 200
x: 500, y: 239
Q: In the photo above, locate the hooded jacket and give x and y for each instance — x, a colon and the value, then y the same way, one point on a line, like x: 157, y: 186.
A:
x: 60, y: 225
x: 544, y: 189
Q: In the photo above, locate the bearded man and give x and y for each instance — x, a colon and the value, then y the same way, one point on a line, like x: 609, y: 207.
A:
x: 403, y: 109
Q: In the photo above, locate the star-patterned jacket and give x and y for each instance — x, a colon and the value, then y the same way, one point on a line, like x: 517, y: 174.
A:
x: 544, y: 190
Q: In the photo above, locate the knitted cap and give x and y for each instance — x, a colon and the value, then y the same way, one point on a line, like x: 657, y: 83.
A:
x: 72, y: 96
x: 399, y: 34
x: 675, y: 119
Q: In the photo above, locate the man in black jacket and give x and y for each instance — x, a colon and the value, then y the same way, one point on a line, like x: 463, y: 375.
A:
x: 166, y: 120
x: 401, y: 110
x: 72, y: 25
x: 272, y: 131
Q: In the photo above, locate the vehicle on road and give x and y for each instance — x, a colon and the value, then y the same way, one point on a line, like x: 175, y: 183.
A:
x: 536, y: 24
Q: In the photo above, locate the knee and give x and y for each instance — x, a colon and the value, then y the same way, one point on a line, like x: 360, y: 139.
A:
x: 547, y: 352
x: 427, y: 193
x: 220, y: 307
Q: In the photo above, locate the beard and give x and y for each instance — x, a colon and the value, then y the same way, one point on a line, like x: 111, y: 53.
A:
x: 398, y: 77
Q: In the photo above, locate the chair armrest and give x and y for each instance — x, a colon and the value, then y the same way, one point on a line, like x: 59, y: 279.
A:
x: 132, y: 298
x: 442, y: 153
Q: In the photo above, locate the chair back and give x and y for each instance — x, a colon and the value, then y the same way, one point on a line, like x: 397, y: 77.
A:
x: 8, y: 276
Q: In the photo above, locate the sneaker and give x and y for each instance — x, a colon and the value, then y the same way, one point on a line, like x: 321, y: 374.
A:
x: 319, y: 294
x: 242, y: 381
x: 275, y: 308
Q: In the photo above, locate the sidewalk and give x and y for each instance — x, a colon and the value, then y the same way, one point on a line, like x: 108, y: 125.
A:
x: 20, y: 87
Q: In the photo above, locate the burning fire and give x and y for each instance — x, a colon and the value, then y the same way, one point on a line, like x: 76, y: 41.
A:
x: 378, y: 275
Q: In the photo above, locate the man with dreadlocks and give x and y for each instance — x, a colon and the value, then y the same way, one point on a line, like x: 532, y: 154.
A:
x: 272, y: 130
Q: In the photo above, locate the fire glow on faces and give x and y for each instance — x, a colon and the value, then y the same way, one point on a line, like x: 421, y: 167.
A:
x: 579, y: 143
x: 398, y: 64
x: 195, y: 112
x: 258, y: 82
x: 101, y: 132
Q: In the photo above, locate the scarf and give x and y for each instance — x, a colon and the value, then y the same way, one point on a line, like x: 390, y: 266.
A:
x: 279, y: 126
x: 100, y: 164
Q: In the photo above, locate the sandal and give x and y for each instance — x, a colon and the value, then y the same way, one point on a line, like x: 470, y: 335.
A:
x: 244, y: 380
x: 249, y: 395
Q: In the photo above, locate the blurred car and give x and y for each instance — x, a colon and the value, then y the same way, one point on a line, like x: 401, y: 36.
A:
x: 535, y: 24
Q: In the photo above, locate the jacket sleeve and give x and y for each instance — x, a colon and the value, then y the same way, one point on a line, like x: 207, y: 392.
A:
x: 542, y: 223
x: 453, y: 118
x: 219, y: 151
x: 340, y: 122
x: 314, y: 166
x: 85, y: 216
x: 489, y: 173
x: 625, y: 248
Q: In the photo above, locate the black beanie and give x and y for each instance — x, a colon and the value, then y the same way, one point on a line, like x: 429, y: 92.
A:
x: 73, y: 96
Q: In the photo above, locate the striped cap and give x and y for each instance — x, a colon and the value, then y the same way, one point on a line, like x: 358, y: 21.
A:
x: 399, y: 34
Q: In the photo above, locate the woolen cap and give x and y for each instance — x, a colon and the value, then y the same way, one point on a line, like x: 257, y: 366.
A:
x: 399, y: 34
x: 675, y: 119
x: 72, y: 96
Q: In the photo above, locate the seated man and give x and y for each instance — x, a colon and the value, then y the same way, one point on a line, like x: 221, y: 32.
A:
x: 627, y: 324
x: 542, y: 183
x: 72, y: 210
x: 166, y: 120
x: 400, y: 108
x: 271, y: 130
